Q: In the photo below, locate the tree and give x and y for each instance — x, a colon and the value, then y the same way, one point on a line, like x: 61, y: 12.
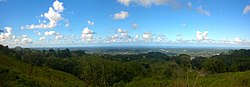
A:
x: 63, y: 53
x: 197, y: 62
x: 52, y: 52
x: 79, y: 52
x: 213, y: 65
x: 184, y: 60
x: 34, y: 58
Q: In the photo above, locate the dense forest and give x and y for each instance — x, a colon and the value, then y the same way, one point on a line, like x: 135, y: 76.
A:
x: 26, y: 67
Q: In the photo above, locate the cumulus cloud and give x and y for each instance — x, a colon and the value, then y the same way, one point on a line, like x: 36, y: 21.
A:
x: 25, y: 40
x: 7, y: 38
x: 136, y: 38
x: 7, y: 34
x: 115, y: 37
x: 119, y: 30
x: 121, y: 36
x: 200, y: 36
x: 58, y: 6
x: 202, y: 11
x: 246, y: 9
x: 87, y: 34
x: 124, y: 34
x: 49, y: 33
x: 161, y: 38
x: 42, y: 38
x: 148, y: 3
x: 90, y: 23
x: 53, y: 15
x: 147, y: 36
x: 121, y: 15
x: 237, y: 40
x: 125, y: 2
x: 135, y: 25
x: 58, y: 37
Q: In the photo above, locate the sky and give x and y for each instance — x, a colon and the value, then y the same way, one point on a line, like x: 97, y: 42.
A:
x: 70, y: 23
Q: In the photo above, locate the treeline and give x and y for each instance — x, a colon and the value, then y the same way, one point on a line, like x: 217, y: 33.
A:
x: 121, y: 70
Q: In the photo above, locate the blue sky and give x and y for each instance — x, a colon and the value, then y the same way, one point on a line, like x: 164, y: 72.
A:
x: 52, y: 23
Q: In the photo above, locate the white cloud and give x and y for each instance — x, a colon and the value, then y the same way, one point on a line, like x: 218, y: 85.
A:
x: 237, y: 40
x: 246, y: 9
x: 49, y: 33
x: 124, y: 35
x: 53, y: 15
x: 7, y: 38
x: 42, y: 38
x: 119, y: 30
x: 25, y: 40
x: 148, y: 3
x: 160, y: 38
x: 121, y: 36
x: 87, y: 34
x: 202, y: 11
x: 58, y: 6
x: 67, y: 24
x: 115, y: 37
x: 135, y: 25
x: 147, y: 36
x: 200, y: 36
x: 7, y: 35
x: 125, y: 2
x: 136, y: 38
x: 8, y: 29
x: 58, y: 37
x: 90, y: 23
x: 38, y: 33
x: 121, y: 15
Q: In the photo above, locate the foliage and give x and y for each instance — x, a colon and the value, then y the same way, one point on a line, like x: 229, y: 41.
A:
x: 213, y: 65
x: 197, y: 62
x: 64, y: 68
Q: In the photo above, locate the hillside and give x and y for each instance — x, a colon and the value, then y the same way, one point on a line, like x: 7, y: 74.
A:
x: 230, y: 79
x: 15, y: 73
x: 64, y: 68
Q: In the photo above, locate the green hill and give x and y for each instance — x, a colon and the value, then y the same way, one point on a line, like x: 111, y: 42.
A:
x: 229, y: 79
x: 15, y: 73
x: 63, y: 68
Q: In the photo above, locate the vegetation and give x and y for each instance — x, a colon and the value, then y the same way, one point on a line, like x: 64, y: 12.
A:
x: 64, y: 68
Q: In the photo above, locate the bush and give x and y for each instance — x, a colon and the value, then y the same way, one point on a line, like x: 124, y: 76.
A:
x: 213, y: 65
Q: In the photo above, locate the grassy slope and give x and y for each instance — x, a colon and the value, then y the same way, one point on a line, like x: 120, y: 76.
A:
x: 229, y: 79
x: 43, y: 75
